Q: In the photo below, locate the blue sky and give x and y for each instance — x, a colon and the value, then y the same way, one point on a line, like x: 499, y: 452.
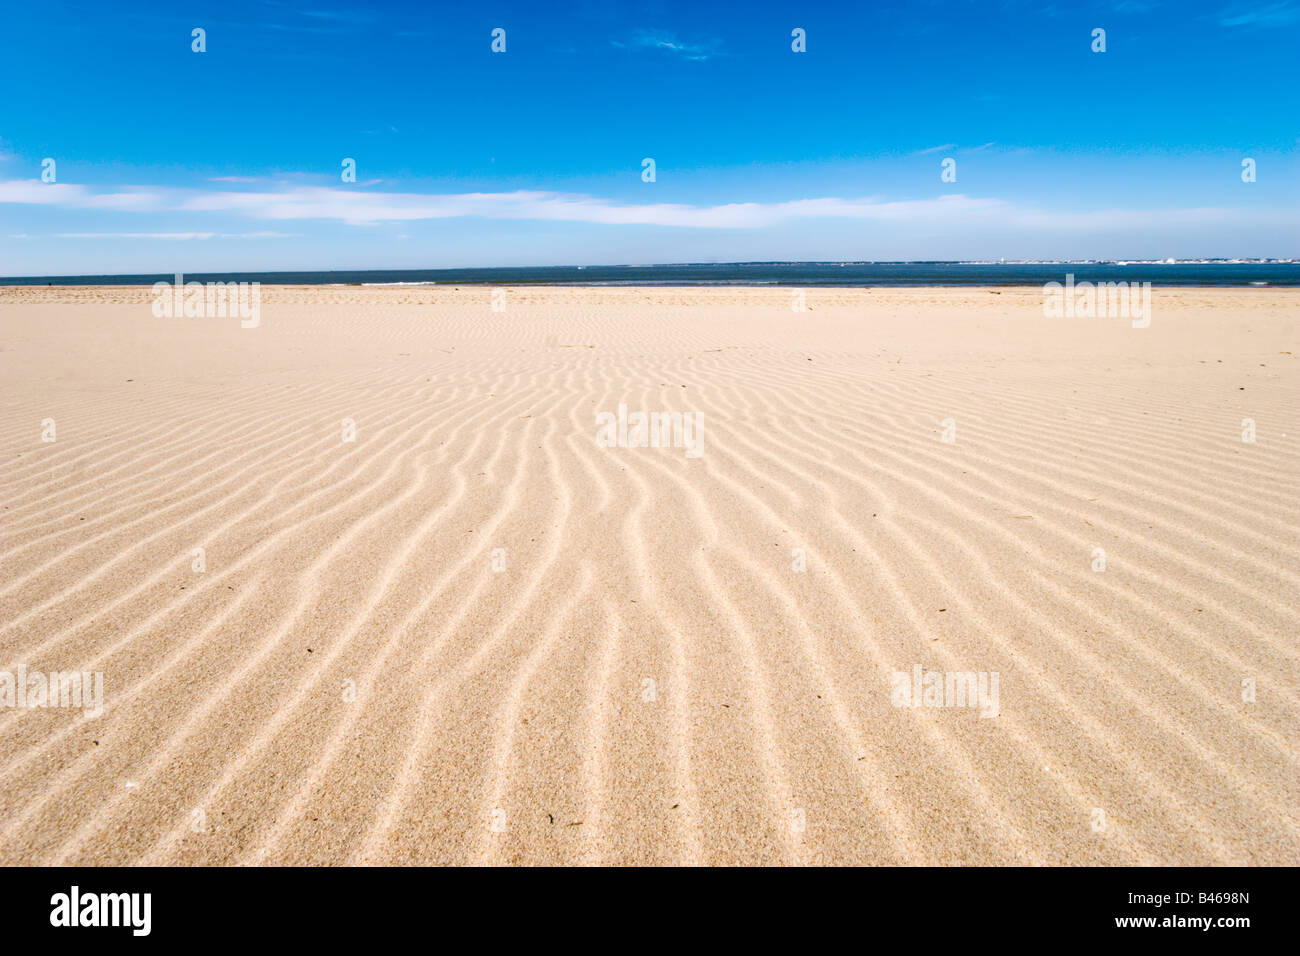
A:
x: 169, y: 160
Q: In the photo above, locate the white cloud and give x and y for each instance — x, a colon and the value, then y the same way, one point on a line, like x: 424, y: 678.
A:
x: 33, y: 191
x: 360, y: 207
x: 1269, y: 15
x: 663, y: 40
x: 176, y: 235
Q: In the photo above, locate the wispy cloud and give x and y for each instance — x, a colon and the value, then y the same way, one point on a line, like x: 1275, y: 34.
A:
x: 668, y: 42
x: 362, y: 208
x: 33, y: 191
x: 341, y: 16
x: 949, y: 147
x: 1272, y: 15
x: 357, y: 207
x: 1135, y: 6
x: 179, y: 236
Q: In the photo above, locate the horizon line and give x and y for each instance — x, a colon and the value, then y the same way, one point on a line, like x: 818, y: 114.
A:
x: 1117, y: 260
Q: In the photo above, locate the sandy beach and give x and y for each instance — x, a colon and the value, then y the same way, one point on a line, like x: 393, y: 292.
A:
x: 364, y: 586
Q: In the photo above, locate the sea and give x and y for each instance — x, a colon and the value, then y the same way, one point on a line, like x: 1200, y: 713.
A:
x: 810, y: 274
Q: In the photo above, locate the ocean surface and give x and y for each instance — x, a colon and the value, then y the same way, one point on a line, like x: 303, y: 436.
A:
x: 753, y: 273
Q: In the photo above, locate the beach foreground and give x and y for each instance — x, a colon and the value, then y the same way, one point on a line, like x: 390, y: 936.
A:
x: 364, y: 586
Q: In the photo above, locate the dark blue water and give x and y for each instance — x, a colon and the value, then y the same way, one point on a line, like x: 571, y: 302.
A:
x: 754, y: 273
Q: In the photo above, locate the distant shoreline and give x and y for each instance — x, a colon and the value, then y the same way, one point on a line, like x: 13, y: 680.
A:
x: 803, y: 274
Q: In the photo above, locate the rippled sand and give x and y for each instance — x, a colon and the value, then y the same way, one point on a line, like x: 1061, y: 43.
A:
x: 641, y: 674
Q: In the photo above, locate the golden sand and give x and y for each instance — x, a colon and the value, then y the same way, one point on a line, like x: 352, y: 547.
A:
x: 641, y: 674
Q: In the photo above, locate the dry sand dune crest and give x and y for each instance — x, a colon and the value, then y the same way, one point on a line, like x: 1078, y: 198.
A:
x: 477, y: 633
